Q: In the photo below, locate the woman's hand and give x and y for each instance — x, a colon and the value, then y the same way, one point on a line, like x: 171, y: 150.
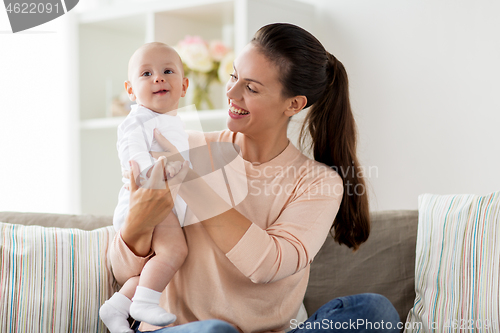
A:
x: 149, y: 204
x: 169, y: 150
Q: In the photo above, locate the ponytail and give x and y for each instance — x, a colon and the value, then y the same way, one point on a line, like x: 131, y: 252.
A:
x: 332, y: 128
x: 308, y: 69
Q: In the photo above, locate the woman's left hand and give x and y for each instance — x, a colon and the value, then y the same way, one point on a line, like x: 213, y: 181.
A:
x: 169, y: 150
x: 149, y: 205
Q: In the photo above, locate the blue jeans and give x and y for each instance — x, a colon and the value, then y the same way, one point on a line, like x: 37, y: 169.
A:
x: 357, y: 313
x: 204, y: 326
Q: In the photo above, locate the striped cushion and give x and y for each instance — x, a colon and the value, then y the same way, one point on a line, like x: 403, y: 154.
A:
x: 53, y: 279
x: 457, y: 268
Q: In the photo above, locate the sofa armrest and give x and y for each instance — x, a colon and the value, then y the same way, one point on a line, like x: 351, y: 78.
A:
x: 84, y: 222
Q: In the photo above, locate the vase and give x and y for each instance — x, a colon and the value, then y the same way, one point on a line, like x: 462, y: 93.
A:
x: 201, y: 90
x: 201, y: 96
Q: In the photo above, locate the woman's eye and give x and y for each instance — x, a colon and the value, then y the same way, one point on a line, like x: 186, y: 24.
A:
x: 146, y: 74
x: 250, y: 89
x: 168, y: 71
x: 233, y: 77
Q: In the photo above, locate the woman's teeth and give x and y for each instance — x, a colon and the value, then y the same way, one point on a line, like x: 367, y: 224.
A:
x: 237, y: 111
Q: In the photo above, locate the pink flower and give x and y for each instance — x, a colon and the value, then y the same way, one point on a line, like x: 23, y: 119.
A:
x: 189, y: 40
x: 217, y: 50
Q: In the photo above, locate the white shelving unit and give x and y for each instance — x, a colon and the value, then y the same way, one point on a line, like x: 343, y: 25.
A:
x: 108, y: 36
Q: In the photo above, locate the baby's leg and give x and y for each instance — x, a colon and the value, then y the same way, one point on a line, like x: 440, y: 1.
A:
x: 115, y: 311
x: 170, y: 249
x: 128, y: 289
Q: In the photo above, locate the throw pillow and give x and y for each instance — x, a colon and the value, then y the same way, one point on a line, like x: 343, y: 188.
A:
x: 53, y: 279
x: 457, y: 264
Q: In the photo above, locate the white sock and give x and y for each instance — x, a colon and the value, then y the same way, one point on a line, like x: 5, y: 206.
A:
x: 146, y: 307
x: 114, y: 313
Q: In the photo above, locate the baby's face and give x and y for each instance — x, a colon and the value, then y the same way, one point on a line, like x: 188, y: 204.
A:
x: 156, y: 79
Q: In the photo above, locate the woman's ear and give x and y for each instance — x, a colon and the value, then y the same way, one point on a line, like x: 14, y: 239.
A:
x: 296, y: 104
x: 130, y: 91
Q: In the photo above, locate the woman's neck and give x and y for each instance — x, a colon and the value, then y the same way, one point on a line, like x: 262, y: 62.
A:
x: 261, y: 149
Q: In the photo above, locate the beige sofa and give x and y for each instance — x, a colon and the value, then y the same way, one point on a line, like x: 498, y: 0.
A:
x: 384, y: 264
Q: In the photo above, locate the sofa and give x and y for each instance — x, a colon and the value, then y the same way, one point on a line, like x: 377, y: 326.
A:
x: 384, y: 265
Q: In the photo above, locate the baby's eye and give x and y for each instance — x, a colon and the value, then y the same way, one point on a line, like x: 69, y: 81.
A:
x: 146, y: 74
x: 168, y: 71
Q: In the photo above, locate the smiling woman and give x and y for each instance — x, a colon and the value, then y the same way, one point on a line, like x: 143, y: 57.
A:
x: 248, y: 260
x: 255, y: 86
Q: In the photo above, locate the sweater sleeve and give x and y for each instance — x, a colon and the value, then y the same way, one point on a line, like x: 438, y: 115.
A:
x: 291, y: 242
x: 124, y: 263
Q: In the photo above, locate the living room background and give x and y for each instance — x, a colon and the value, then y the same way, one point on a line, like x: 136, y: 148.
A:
x: 424, y: 87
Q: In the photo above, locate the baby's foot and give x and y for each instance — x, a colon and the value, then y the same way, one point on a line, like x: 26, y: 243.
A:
x: 115, y: 320
x: 151, y: 313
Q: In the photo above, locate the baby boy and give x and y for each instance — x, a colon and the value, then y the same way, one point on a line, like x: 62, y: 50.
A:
x: 156, y: 83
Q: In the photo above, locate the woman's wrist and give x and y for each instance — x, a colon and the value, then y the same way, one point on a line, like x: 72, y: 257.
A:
x: 138, y: 240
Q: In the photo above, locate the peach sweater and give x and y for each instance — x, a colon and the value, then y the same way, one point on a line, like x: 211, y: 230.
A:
x: 259, y: 285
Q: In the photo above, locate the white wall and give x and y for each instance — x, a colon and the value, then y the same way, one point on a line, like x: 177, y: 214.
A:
x: 425, y: 87
x: 38, y: 132
x: 425, y: 80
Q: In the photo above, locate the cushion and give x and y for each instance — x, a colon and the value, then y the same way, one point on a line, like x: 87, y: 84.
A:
x: 457, y: 264
x: 384, y: 264
x: 53, y: 279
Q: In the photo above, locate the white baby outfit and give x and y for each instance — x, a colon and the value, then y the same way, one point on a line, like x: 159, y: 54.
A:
x: 136, y: 140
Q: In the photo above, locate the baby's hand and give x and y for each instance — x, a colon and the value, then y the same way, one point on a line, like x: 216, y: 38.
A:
x: 172, y: 168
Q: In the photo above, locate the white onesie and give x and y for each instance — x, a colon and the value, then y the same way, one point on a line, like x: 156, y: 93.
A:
x: 136, y: 140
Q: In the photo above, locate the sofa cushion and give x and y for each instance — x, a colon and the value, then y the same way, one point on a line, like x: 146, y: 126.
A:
x: 384, y: 264
x: 457, y: 268
x: 53, y: 279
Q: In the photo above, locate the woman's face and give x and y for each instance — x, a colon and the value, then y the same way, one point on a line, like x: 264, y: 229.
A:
x: 256, y: 105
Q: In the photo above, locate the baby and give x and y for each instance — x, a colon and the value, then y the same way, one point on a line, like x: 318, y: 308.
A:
x: 156, y: 82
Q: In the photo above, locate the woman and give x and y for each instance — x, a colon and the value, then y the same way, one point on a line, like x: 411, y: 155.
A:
x: 248, y: 260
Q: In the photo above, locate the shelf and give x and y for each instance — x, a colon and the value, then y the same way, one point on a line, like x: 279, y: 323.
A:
x: 187, y: 117
x: 110, y: 34
x: 197, y: 8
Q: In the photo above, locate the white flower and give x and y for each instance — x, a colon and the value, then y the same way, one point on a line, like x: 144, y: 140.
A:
x: 195, y: 54
x: 226, y: 67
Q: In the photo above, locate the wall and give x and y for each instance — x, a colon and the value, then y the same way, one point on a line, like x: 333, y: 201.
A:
x: 425, y: 81
x: 38, y: 132
x: 424, y: 85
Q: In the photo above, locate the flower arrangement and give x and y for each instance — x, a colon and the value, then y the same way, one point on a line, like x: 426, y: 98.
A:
x: 205, y: 63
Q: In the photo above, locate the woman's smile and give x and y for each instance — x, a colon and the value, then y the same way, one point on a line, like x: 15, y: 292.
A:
x: 236, y: 112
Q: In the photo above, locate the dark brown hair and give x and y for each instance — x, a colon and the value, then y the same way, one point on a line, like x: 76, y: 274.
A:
x: 308, y: 69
